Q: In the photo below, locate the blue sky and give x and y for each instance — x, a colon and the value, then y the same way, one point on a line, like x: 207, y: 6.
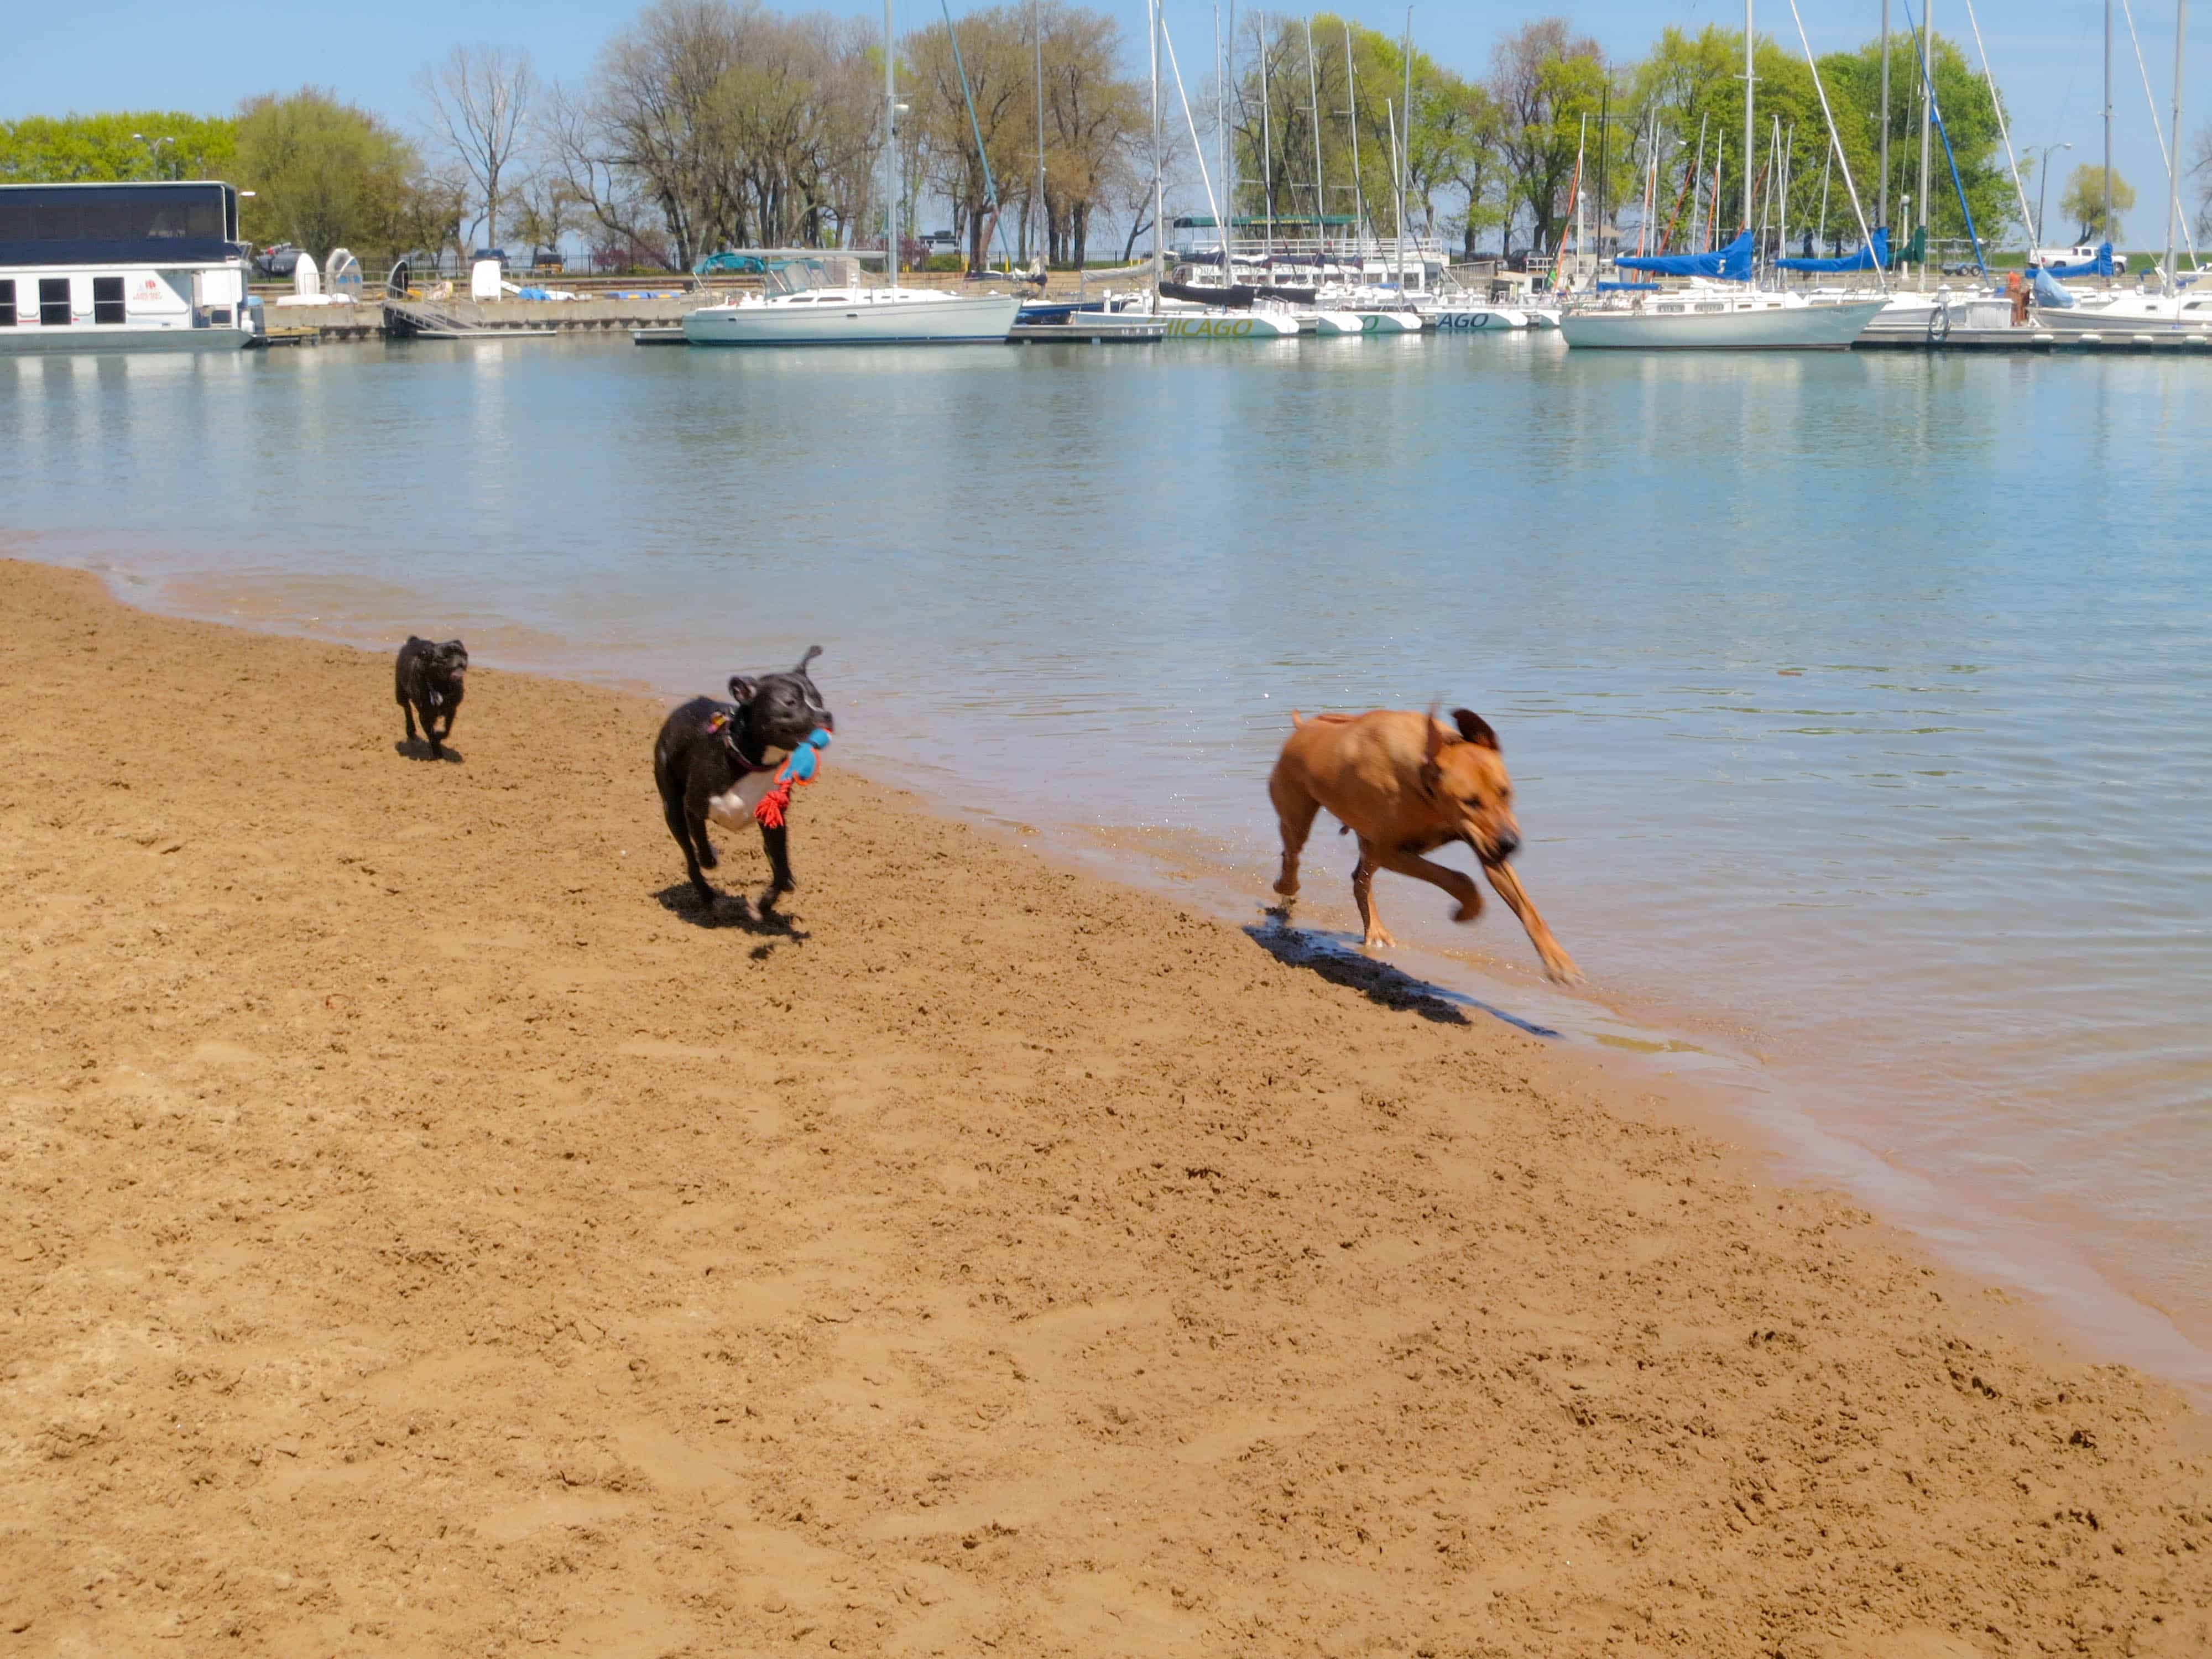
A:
x: 108, y: 54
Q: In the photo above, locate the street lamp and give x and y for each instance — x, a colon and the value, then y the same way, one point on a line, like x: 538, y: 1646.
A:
x: 154, y: 151
x: 2043, y: 185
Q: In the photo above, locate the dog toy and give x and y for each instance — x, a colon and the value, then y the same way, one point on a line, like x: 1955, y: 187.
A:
x: 799, y: 769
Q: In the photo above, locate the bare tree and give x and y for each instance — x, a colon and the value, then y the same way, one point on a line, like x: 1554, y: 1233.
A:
x: 481, y: 99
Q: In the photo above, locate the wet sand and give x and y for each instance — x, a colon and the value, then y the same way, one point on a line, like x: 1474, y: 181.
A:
x: 424, y: 1235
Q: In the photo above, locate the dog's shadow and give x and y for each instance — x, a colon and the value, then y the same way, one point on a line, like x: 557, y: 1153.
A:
x: 418, y: 749
x: 730, y: 910
x: 1336, y: 959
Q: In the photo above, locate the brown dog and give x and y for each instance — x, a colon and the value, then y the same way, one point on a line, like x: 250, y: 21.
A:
x: 1407, y: 784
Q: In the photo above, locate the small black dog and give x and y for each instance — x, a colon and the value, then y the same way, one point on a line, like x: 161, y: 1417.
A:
x: 428, y: 680
x: 716, y: 760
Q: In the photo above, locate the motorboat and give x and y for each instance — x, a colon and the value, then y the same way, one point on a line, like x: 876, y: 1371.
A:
x: 811, y: 302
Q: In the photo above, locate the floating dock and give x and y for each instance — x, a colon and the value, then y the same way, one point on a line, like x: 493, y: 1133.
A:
x: 2103, y: 343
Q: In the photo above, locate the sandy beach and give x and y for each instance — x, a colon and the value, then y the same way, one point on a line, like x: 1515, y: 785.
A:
x: 425, y: 1236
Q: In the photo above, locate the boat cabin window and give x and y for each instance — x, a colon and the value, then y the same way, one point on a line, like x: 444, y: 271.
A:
x: 157, y: 223
x: 7, y: 302
x: 107, y: 299
x: 54, y: 301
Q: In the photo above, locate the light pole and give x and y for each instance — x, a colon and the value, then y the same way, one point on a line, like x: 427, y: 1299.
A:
x: 154, y: 151
x: 2043, y: 185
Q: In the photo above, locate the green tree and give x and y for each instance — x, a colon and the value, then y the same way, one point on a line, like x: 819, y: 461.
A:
x: 326, y: 174
x: 123, y: 145
x: 1970, y: 116
x: 1548, y: 84
x: 2084, y: 203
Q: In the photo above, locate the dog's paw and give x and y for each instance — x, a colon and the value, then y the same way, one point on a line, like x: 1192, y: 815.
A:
x: 1563, y: 971
x: 1378, y: 938
x: 1468, y: 911
x: 708, y: 859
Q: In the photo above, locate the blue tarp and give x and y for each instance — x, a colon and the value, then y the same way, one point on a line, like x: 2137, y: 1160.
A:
x: 1874, y: 255
x: 2048, y: 293
x: 2100, y: 266
x: 1731, y: 263
x: 1627, y: 288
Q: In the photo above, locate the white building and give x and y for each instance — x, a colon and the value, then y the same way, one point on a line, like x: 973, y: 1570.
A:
x: 135, y: 267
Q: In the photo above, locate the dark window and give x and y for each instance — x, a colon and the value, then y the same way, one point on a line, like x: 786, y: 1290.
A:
x: 51, y: 223
x: 107, y: 299
x: 7, y: 304
x: 54, y: 301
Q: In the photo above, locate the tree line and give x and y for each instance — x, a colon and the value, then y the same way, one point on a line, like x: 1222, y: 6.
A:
x: 705, y: 124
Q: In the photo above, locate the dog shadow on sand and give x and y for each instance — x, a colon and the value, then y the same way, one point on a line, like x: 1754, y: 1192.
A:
x: 730, y: 910
x: 416, y: 749
x: 1336, y: 958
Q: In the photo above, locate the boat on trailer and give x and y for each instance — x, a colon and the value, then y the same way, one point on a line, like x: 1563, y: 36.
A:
x: 123, y: 267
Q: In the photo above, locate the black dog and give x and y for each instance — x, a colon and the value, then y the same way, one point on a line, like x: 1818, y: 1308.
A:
x: 426, y: 680
x: 716, y: 760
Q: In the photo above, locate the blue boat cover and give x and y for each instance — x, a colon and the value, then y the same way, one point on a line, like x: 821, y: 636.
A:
x: 1872, y: 256
x: 2048, y: 293
x: 1731, y: 263
x: 2100, y: 266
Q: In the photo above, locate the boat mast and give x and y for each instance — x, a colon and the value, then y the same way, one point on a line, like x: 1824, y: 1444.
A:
x: 890, y: 149
x: 2108, y: 132
x: 1351, y: 115
x: 1152, y: 31
x: 1698, y: 188
x: 1405, y: 153
x: 1267, y: 150
x: 1927, y: 112
x: 1750, y: 172
x: 1313, y: 93
x: 2173, y: 158
x: 1037, y: 28
x: 1882, y: 212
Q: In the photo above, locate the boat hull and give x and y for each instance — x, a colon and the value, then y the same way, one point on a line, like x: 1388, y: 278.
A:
x: 1767, y: 328
x: 1470, y: 319
x: 47, y: 342
x: 2086, y: 319
x: 1248, y: 325
x: 964, y: 319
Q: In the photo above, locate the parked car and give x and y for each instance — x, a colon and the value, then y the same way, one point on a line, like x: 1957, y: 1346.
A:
x: 278, y: 261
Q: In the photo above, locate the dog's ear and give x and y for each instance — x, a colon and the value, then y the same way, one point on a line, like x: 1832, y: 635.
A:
x: 743, y: 691
x: 1435, y: 745
x: 1473, y: 729
x: 812, y: 652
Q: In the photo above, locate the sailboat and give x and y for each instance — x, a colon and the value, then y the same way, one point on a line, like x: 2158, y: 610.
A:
x: 2173, y: 309
x: 811, y: 302
x: 1720, y: 311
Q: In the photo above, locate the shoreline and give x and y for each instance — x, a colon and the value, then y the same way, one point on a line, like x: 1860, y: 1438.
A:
x: 1718, y: 1074
x: 435, y: 1237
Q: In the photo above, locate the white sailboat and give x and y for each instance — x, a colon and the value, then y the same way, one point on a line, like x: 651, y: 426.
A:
x: 1721, y: 312
x: 809, y: 301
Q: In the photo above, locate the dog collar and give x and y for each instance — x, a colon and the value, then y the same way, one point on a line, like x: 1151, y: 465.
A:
x: 728, y: 729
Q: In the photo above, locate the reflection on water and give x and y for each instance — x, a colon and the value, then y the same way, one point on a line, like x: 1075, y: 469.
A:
x: 1858, y: 705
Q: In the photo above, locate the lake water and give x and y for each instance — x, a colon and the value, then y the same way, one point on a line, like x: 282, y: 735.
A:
x: 1860, y: 705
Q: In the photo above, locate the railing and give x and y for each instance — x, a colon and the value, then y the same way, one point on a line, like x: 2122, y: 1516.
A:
x: 1344, y: 250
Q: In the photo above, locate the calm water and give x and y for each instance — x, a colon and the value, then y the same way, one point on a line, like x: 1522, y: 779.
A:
x: 1861, y: 706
